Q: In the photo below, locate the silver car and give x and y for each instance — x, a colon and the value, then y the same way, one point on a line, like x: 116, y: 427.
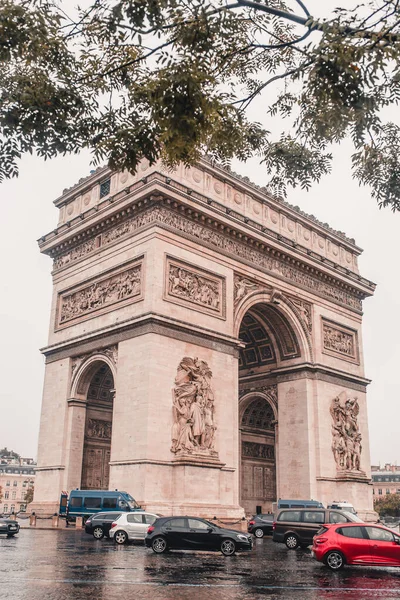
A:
x: 131, y: 526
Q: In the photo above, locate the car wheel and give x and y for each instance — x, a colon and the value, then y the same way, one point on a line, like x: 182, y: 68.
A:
x: 10, y: 535
x: 291, y: 541
x: 159, y: 545
x: 228, y: 547
x: 120, y: 537
x: 334, y: 560
x: 98, y: 533
x: 259, y: 532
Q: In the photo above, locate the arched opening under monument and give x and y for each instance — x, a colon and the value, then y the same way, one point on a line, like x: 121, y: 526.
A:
x: 269, y: 342
x: 98, y: 428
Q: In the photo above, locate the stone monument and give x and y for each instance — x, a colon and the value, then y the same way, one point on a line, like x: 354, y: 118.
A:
x: 204, y: 349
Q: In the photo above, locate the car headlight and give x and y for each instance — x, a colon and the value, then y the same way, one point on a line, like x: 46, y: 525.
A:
x: 242, y: 538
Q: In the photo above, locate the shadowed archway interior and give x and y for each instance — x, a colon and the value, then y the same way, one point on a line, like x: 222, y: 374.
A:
x: 269, y: 340
x: 98, y: 428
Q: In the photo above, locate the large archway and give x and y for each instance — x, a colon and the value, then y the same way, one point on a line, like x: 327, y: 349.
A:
x: 270, y: 341
x: 98, y: 428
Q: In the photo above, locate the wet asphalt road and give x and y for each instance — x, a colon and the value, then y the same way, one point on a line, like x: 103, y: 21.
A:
x: 71, y: 565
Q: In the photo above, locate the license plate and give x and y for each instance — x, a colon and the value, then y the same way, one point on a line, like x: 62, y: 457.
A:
x: 13, y: 527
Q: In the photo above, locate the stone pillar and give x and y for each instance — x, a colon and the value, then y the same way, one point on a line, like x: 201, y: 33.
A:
x: 76, y: 418
x: 296, y: 453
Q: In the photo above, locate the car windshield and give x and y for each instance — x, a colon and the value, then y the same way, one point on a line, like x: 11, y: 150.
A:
x: 352, y: 517
x: 132, y: 502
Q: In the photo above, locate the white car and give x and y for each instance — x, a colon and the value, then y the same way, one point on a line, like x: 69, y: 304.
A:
x: 131, y: 526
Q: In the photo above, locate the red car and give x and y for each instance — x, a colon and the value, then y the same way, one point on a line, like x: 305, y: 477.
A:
x: 356, y: 544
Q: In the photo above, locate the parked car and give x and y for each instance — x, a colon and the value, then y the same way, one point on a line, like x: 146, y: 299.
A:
x: 131, y: 526
x: 346, y: 506
x: 354, y: 544
x: 192, y: 533
x: 99, y: 525
x: 260, y: 525
x: 295, y: 527
x: 9, y: 527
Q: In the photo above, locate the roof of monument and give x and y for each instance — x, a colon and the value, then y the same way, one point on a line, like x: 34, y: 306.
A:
x: 226, y: 169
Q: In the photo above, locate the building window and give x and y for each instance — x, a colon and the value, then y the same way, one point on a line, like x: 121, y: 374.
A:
x: 12, y: 508
x: 14, y: 495
x: 6, y: 495
x: 6, y: 508
x: 8, y: 483
x: 15, y: 483
x: 387, y: 491
x: 380, y: 492
x: 105, y: 188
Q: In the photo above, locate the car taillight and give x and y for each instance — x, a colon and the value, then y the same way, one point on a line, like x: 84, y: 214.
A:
x: 252, y: 522
x: 274, y: 525
x: 88, y: 521
x: 150, y: 529
x: 113, y: 525
x: 321, y: 540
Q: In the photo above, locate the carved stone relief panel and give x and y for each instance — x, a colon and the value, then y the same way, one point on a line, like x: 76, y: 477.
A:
x: 304, y: 311
x: 198, y: 289
x: 98, y: 429
x: 119, y: 287
x: 257, y: 450
x: 339, y: 341
x: 346, y: 436
x: 193, y: 430
x: 243, y: 287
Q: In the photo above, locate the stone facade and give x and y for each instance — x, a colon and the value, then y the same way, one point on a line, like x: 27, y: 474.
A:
x: 200, y: 334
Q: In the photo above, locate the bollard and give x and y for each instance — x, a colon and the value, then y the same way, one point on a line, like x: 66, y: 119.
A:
x: 32, y: 520
x: 54, y: 521
x: 79, y: 523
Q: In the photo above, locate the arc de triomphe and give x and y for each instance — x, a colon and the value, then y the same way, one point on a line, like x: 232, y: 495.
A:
x: 205, y: 347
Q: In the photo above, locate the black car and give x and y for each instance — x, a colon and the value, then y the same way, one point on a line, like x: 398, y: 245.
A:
x: 8, y: 526
x: 261, y: 525
x: 99, y: 525
x: 191, y: 533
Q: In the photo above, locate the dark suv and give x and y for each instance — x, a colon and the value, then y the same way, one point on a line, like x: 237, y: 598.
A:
x: 261, y: 525
x: 99, y: 525
x: 191, y: 533
x: 297, y: 527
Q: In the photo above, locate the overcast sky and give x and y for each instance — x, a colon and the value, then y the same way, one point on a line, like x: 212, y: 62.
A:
x: 27, y: 212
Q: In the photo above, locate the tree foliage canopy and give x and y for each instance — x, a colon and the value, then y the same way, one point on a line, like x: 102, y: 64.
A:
x: 388, y: 505
x: 129, y: 79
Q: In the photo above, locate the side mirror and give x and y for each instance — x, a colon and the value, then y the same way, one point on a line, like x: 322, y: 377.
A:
x: 397, y: 541
x: 210, y: 530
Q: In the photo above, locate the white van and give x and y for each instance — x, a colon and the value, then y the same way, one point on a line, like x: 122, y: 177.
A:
x: 346, y: 506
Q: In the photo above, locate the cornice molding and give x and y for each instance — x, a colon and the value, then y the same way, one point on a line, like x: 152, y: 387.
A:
x: 149, y: 323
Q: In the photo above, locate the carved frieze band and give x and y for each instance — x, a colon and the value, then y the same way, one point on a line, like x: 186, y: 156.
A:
x: 224, y: 243
x: 121, y: 286
x: 98, y: 429
x: 340, y: 341
x: 256, y: 450
x: 189, y: 286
